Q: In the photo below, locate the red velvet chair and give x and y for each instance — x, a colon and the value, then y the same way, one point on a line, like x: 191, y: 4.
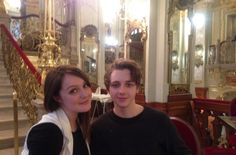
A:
x: 188, y: 134
x: 232, y: 111
x: 219, y: 151
x: 140, y: 99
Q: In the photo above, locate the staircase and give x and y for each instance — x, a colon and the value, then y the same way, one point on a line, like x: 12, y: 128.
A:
x: 7, y: 115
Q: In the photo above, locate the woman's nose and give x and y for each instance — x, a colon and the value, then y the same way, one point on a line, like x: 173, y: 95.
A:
x: 83, y: 93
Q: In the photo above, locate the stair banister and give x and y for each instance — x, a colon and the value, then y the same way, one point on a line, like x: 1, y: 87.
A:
x: 25, y: 78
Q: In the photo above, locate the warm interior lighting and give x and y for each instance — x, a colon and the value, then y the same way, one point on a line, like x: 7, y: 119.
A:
x: 136, y: 10
x: 95, y: 50
x: 12, y: 6
x: 109, y: 10
x: 199, y: 20
x: 110, y: 41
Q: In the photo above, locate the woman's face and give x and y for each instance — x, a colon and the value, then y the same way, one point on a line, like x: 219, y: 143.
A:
x: 75, y: 95
x: 122, y: 89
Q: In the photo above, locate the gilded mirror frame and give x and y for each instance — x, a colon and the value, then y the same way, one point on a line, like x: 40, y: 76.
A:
x: 89, y: 48
x: 136, y: 37
x: 179, y: 59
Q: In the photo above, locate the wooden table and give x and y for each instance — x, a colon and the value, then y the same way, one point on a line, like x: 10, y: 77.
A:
x: 228, y: 121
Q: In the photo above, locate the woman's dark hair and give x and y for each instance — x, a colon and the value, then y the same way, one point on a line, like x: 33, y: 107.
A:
x: 52, y: 87
x: 120, y: 64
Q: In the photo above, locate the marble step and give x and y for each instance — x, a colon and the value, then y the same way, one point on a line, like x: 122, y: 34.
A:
x: 7, y: 137
x: 5, y: 80
x: 2, y: 67
x: 6, y: 98
x: 7, y: 113
x: 10, y: 151
x: 9, y: 123
x: 3, y: 74
x: 6, y: 87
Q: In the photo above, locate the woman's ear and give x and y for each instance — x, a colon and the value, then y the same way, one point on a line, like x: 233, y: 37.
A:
x: 57, y: 98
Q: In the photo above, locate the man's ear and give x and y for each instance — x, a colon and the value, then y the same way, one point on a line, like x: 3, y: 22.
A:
x: 138, y: 89
x: 108, y: 91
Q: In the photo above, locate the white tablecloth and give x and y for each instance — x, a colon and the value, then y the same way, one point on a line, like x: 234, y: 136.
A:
x: 103, y: 99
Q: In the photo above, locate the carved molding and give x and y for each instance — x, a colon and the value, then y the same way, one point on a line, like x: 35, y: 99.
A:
x: 89, y: 31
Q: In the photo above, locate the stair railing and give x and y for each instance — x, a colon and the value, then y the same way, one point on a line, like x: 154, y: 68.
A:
x: 26, y: 80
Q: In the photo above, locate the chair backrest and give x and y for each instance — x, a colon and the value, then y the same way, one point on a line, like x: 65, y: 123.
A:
x: 140, y: 98
x: 188, y: 135
x: 232, y: 111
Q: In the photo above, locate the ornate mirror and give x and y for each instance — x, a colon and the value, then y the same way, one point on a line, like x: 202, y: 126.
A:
x: 179, y: 46
x: 89, y: 46
x: 136, y: 40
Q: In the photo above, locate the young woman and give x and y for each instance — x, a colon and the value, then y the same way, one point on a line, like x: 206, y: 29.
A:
x: 64, y: 129
x: 132, y: 129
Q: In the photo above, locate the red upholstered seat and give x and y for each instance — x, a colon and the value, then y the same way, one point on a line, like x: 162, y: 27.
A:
x: 219, y: 151
x: 188, y: 135
x: 232, y: 111
x: 232, y: 140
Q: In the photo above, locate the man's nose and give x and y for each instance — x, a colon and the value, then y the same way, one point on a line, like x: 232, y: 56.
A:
x: 122, y: 89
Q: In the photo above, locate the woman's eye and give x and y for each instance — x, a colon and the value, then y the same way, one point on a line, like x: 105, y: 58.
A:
x: 73, y: 91
x: 85, y: 85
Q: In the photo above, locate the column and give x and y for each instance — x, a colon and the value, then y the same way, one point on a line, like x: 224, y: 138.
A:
x: 156, y: 87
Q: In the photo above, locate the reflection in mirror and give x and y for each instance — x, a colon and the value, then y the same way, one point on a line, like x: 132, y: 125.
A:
x: 110, y: 56
x: 179, y: 43
x: 180, y: 29
x: 136, y: 38
x: 89, y: 51
x: 198, y: 55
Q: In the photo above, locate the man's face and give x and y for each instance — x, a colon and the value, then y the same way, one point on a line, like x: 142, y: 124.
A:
x: 122, y: 89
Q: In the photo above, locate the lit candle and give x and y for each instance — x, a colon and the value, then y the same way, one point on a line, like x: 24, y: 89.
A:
x: 53, y: 22
x: 45, y: 17
x: 49, y: 15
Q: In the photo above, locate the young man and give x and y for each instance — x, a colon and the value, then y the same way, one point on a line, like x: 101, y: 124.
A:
x: 131, y: 129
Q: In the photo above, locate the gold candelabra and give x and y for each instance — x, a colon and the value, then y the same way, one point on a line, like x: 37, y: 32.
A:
x: 49, y: 52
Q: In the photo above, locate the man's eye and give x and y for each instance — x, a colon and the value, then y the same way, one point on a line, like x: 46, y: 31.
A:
x: 130, y: 84
x: 115, y: 85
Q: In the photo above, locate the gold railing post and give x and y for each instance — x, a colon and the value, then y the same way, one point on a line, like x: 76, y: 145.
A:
x: 16, y: 138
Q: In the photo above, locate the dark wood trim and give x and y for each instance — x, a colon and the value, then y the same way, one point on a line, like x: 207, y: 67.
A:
x: 179, y: 97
